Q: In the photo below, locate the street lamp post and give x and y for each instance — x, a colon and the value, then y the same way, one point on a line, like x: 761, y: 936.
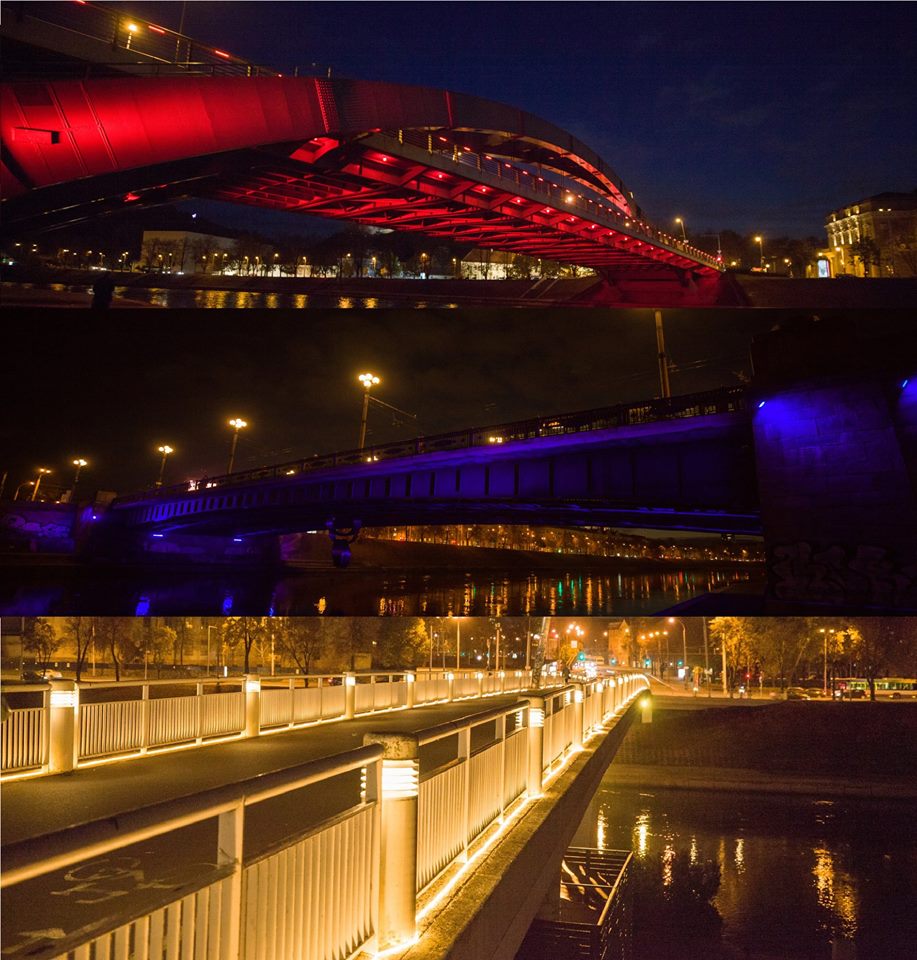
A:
x: 760, y: 241
x: 210, y: 627
x: 25, y: 483
x: 684, y: 644
x: 165, y: 450
x: 42, y: 472
x: 458, y: 642
x: 238, y: 424
x: 79, y: 463
x: 824, y: 634
x: 681, y: 223
x: 369, y: 380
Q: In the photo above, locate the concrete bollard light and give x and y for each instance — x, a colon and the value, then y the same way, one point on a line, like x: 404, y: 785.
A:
x: 578, y: 710
x: 450, y: 687
x: 646, y: 707
x: 252, y: 687
x: 350, y: 696
x: 480, y: 678
x: 410, y: 679
x: 535, y: 769
x: 63, y: 745
x: 398, y: 856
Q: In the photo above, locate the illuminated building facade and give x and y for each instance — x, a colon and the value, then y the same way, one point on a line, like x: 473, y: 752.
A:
x: 875, y: 237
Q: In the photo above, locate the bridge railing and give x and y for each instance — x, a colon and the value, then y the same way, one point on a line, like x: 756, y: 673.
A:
x: 726, y: 400
x: 63, y: 725
x: 563, y: 197
x: 352, y: 872
x: 157, y: 48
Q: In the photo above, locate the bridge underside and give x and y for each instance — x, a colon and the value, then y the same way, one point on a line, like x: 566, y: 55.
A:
x: 450, y: 167
x: 282, y: 520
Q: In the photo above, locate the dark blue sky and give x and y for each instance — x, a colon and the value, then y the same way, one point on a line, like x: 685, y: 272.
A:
x: 752, y: 116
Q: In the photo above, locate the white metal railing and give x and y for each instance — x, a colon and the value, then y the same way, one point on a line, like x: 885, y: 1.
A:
x: 129, y: 718
x: 24, y: 733
x: 313, y: 897
x: 346, y: 881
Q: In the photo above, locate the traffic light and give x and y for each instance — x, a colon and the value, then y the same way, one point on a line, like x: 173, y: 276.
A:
x: 582, y: 656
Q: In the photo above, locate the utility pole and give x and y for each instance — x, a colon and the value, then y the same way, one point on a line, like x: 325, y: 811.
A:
x: 725, y: 682
x: 703, y: 621
x: 663, y: 360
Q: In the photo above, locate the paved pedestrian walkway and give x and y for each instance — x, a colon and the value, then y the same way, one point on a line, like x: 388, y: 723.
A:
x: 43, y: 805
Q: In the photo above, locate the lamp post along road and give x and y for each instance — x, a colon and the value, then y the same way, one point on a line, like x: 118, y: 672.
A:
x: 79, y: 463
x: 369, y: 380
x: 42, y: 472
x: 165, y: 450
x: 684, y: 644
x: 238, y: 424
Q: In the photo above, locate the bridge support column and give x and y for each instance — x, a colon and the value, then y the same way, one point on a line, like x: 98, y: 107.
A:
x: 578, y: 709
x: 409, y: 679
x: 252, y: 687
x: 535, y: 775
x: 835, y: 434
x: 350, y: 696
x: 398, y: 856
x: 63, y: 742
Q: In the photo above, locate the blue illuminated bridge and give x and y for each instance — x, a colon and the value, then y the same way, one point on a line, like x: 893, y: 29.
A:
x: 683, y: 463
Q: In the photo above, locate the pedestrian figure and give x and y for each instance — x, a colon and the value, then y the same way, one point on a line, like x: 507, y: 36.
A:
x: 102, y: 291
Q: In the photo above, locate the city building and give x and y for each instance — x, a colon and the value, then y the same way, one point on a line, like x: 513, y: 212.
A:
x: 875, y: 237
x: 182, y: 251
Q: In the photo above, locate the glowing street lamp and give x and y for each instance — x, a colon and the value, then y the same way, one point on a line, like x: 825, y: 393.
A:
x: 42, y: 472
x: 25, y: 483
x: 238, y: 424
x: 369, y: 380
x: 79, y: 463
x: 684, y: 643
x: 681, y: 223
x: 760, y: 242
x: 165, y: 450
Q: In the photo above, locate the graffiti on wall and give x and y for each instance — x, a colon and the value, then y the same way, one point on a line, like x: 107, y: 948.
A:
x: 838, y: 574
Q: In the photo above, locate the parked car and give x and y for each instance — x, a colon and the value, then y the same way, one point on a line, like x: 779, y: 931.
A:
x: 796, y: 693
x: 813, y: 693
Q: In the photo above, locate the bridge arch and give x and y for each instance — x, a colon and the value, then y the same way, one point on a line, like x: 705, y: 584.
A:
x: 411, y: 158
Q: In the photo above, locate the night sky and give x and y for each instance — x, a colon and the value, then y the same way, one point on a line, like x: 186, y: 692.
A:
x: 112, y: 389
x: 759, y: 117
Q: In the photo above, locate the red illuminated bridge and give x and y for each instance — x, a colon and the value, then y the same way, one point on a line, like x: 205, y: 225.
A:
x: 436, y: 162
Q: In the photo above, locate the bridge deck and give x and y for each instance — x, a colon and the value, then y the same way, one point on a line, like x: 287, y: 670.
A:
x: 35, y: 808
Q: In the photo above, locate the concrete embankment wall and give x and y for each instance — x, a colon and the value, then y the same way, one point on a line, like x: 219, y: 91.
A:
x: 856, y: 748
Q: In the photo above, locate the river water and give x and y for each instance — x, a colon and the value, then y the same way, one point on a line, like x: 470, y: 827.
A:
x: 795, y: 873
x: 42, y: 591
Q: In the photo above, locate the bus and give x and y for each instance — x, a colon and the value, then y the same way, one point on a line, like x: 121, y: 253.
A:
x: 886, y: 687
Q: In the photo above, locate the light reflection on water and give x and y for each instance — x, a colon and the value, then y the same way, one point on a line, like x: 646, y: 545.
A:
x: 793, y: 877
x: 246, y: 299
x: 355, y: 592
